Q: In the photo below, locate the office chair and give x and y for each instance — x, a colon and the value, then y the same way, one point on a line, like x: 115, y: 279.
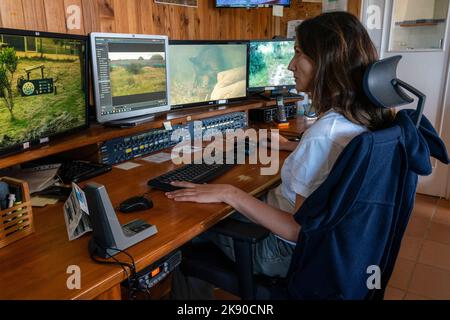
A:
x: 208, y: 263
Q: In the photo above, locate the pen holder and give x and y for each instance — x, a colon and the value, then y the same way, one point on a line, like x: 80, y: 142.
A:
x: 16, y: 222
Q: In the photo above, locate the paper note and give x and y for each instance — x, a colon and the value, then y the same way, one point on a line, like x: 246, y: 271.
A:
x: 168, y: 125
x: 42, y: 202
x: 277, y: 11
x: 187, y: 149
x: 334, y: 5
x: 158, y: 158
x: 128, y: 165
x: 292, y: 25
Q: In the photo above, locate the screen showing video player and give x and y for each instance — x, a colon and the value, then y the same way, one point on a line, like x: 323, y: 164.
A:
x: 131, y: 74
x: 207, y: 72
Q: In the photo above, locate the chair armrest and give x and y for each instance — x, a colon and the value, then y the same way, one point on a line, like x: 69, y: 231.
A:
x: 241, y: 231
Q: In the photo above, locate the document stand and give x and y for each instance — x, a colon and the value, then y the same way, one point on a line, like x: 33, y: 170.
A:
x: 108, y: 235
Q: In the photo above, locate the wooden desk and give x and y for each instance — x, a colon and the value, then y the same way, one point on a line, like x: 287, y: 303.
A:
x: 35, y: 267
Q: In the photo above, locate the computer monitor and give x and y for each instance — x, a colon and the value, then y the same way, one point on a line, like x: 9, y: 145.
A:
x: 43, y: 87
x: 268, y: 65
x: 207, y: 72
x: 130, y: 77
x: 251, y: 3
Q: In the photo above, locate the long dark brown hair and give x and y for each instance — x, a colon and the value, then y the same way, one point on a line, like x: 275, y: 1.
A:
x: 341, y: 50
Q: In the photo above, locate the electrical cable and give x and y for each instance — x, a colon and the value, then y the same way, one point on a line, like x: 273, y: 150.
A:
x: 131, y: 279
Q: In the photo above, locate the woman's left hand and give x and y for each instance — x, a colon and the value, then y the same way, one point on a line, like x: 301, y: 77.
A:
x: 201, y: 193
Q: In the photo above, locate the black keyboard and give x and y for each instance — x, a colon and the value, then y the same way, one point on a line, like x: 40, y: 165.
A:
x: 195, y: 173
x: 76, y: 171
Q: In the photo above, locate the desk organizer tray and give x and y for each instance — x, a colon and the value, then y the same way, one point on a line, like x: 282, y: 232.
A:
x: 16, y: 222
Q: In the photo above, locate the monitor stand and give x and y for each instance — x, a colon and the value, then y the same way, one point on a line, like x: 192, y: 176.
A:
x: 130, y: 122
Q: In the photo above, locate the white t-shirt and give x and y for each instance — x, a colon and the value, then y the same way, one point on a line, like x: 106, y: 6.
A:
x: 311, y: 162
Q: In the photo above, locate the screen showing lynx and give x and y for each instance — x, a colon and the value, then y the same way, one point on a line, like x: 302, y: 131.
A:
x: 207, y: 72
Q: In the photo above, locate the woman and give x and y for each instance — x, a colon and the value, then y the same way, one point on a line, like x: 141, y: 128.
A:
x: 332, y: 52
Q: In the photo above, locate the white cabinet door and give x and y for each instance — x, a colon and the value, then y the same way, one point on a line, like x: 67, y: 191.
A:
x: 419, y: 31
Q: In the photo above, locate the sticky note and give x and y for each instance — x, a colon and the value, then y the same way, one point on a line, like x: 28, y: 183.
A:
x: 277, y: 11
x: 128, y: 166
x: 167, y: 125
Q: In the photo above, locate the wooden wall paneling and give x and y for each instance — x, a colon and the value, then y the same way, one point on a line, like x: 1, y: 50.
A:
x: 134, y: 19
x: 55, y: 13
x: 264, y: 24
x: 173, y: 21
x: 194, y: 26
x: 34, y: 15
x: 179, y: 19
x: 167, y: 23
x: 248, y: 25
x: 67, y: 4
x: 208, y: 17
x: 11, y: 13
x: 146, y: 16
x: 106, y: 15
x: 354, y: 6
x: 121, y: 16
x: 181, y: 13
x: 299, y: 11
x: 221, y: 25
x: 197, y: 26
x: 91, y: 15
x: 244, y: 23
x: 232, y: 22
x: 159, y: 17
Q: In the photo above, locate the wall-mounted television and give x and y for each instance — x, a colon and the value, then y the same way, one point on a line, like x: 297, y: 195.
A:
x: 251, y: 3
x: 43, y: 92
x: 207, y: 72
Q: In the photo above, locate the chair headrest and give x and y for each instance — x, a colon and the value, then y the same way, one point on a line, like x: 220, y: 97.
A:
x: 380, y: 84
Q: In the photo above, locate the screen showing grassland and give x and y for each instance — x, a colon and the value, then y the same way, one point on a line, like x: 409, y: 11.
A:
x: 269, y: 63
x: 134, y: 73
x: 207, y: 72
x: 42, y: 88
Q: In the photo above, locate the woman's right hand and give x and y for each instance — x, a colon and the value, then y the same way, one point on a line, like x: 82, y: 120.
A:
x: 283, y: 143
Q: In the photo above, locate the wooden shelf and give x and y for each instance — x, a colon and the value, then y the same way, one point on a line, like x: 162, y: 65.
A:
x: 419, y: 23
x: 98, y: 133
x: 423, y: 24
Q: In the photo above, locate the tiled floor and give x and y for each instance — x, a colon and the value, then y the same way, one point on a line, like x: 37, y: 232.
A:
x: 423, y: 266
x: 422, y: 271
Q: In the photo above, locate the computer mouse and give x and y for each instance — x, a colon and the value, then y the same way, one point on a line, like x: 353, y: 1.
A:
x: 135, y: 204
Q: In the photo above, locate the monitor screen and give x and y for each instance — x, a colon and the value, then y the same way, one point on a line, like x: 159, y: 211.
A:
x: 268, y: 65
x: 130, y: 75
x: 207, y: 72
x: 250, y: 3
x: 43, y: 81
